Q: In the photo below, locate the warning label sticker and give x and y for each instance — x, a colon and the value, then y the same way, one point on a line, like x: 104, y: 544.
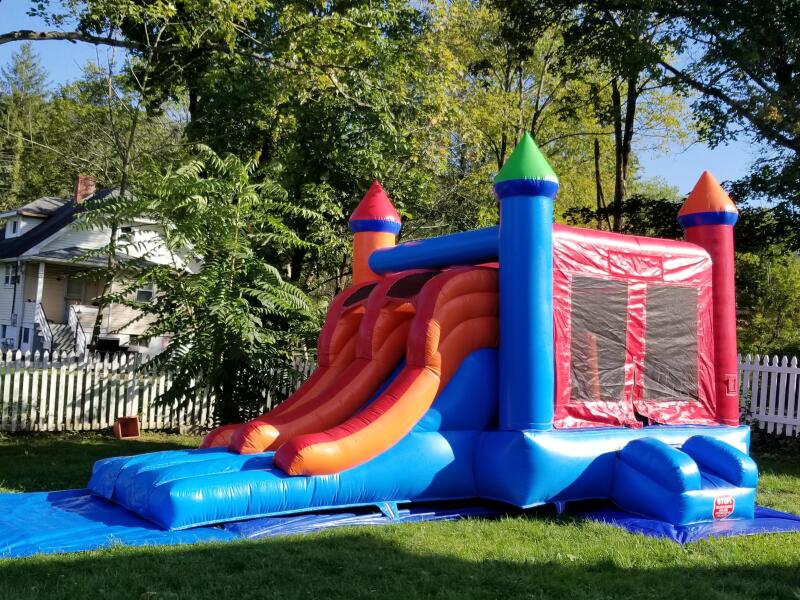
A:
x: 723, y: 506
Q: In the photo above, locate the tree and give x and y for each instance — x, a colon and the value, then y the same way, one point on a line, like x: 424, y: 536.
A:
x: 768, y: 303
x: 740, y: 61
x: 615, y: 51
x: 232, y: 318
x: 329, y: 99
x: 501, y: 89
x: 745, y: 72
x: 22, y: 98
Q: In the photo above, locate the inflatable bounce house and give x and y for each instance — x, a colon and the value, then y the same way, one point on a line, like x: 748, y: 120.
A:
x: 515, y: 366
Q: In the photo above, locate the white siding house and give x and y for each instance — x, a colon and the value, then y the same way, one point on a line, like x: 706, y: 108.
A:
x: 47, y: 286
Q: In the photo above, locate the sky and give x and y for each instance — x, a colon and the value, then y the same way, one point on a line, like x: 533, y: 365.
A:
x: 680, y: 166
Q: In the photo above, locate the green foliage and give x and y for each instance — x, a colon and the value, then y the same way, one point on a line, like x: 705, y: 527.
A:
x: 744, y: 66
x: 232, y: 318
x: 22, y: 95
x: 772, y: 230
x: 768, y: 303
x: 738, y: 60
x: 644, y: 215
x: 48, y: 137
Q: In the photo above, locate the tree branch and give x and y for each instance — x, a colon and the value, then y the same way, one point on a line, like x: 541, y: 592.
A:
x: 26, y: 35
x: 738, y: 107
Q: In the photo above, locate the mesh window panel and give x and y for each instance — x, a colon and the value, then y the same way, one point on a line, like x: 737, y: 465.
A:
x: 670, y: 360
x: 598, y: 318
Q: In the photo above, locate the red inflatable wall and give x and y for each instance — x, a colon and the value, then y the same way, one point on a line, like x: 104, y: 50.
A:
x: 633, y: 332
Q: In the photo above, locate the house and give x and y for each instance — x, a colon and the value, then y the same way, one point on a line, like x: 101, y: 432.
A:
x: 47, y: 290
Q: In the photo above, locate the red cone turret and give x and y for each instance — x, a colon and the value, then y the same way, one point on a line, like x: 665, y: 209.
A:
x: 375, y: 223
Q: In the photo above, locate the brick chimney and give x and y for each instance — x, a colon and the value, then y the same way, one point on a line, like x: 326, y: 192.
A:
x: 84, y: 187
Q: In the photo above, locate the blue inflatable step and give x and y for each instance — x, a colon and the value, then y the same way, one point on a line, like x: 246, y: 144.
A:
x: 703, y: 480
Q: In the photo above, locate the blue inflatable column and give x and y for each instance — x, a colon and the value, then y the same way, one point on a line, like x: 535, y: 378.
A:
x: 526, y: 187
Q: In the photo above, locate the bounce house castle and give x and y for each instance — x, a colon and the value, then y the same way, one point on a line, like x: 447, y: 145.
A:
x: 525, y: 364
x: 528, y: 363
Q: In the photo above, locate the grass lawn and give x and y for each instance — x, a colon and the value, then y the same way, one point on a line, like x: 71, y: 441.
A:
x: 511, y: 558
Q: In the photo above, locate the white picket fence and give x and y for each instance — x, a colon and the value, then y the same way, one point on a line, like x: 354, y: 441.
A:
x: 770, y: 392
x: 67, y: 392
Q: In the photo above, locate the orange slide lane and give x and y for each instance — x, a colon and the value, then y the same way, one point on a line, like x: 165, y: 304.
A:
x: 381, y: 345
x: 336, y: 349
x: 456, y: 314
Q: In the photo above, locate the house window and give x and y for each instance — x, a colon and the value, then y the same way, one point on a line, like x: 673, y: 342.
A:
x: 74, y: 289
x: 126, y: 234
x: 14, y: 226
x: 26, y: 335
x: 10, y: 277
x: 3, y: 331
x: 146, y: 293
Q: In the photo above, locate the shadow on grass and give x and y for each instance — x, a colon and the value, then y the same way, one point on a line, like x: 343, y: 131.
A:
x: 391, y: 565
x: 43, y: 462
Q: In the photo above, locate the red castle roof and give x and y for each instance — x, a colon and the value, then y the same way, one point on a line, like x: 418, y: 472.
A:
x: 375, y: 206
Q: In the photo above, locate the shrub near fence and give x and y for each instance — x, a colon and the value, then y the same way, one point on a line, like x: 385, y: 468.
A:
x: 68, y: 392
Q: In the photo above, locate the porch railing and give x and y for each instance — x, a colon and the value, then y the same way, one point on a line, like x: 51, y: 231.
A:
x: 74, y: 322
x: 44, y: 327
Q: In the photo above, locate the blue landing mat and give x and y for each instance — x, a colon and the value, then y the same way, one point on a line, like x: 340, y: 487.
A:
x: 766, y: 520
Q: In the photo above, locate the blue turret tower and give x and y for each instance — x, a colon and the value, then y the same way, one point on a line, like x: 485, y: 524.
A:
x: 526, y: 187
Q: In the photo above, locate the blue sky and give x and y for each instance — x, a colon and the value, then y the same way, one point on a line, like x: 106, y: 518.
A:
x: 680, y: 166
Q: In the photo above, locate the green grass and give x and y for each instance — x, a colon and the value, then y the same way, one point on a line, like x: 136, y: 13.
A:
x: 56, y: 462
x: 511, y: 558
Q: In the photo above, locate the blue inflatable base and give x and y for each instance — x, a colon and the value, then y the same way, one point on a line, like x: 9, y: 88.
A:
x: 765, y: 520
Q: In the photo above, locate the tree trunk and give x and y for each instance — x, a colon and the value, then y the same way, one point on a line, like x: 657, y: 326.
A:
x: 616, y: 110
x: 624, y: 129
x: 602, y: 213
x: 632, y: 97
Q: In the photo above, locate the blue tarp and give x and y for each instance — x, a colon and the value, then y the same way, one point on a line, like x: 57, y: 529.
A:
x: 76, y: 520
x: 766, y: 520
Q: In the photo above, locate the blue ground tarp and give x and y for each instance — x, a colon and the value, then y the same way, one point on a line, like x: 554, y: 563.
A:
x: 765, y: 520
x: 76, y: 520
